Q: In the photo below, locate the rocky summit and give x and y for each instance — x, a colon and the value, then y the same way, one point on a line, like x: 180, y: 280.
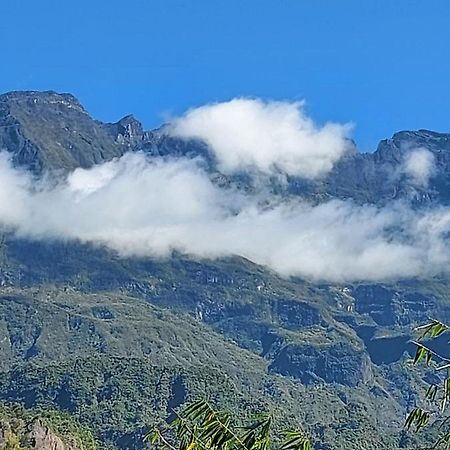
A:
x: 116, y: 342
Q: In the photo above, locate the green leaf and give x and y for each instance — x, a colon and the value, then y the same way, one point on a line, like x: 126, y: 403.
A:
x: 431, y: 392
x: 296, y: 441
x: 446, y: 394
x: 432, y: 329
x: 418, y: 418
x: 420, y: 353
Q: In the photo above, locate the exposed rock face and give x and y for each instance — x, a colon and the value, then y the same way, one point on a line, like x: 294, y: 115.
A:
x: 379, y: 177
x: 389, y: 307
x: 295, y: 314
x: 389, y: 349
x: 328, y: 364
x: 46, y: 131
x: 40, y: 437
x: 128, y: 130
x: 35, y: 435
x: 3, y: 436
x: 253, y: 325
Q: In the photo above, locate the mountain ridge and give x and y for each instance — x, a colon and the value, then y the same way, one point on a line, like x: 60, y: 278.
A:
x: 47, y: 132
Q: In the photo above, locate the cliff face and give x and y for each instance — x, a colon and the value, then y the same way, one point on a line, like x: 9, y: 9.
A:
x: 18, y: 434
x: 379, y: 177
x: 45, y: 131
x: 51, y: 132
x: 43, y: 429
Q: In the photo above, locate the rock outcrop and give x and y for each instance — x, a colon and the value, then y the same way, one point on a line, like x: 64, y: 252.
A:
x: 336, y: 363
x: 35, y: 435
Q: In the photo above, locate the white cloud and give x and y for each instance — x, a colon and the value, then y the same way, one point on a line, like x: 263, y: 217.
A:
x: 144, y: 207
x: 419, y: 165
x: 269, y: 136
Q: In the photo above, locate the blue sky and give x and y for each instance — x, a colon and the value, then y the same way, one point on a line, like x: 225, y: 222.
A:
x: 384, y: 65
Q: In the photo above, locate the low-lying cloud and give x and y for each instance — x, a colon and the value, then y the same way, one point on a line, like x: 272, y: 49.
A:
x: 272, y: 136
x: 150, y: 207
x: 419, y: 165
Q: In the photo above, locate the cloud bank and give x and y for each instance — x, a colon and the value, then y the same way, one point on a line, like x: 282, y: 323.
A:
x: 150, y: 207
x: 419, y: 165
x: 252, y: 134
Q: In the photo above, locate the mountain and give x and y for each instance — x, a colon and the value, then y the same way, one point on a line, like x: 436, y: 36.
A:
x: 52, y: 132
x: 117, y: 342
x: 375, y: 178
x: 47, y: 132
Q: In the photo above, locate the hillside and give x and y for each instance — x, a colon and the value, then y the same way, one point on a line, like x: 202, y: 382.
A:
x: 117, y: 341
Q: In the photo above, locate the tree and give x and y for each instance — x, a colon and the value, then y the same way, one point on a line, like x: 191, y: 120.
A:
x: 438, y: 394
x: 200, y: 427
x: 13, y: 442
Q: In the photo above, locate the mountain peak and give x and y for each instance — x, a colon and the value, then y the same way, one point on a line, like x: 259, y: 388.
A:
x: 394, y: 149
x: 129, y: 129
x: 47, y: 131
x: 20, y: 99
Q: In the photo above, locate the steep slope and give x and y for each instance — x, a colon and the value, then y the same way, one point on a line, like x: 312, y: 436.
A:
x: 144, y: 361
x: 46, y: 131
x: 379, y: 177
x: 242, y: 325
x: 150, y: 333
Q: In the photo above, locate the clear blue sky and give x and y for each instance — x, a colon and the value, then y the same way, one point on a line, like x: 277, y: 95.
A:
x: 384, y: 65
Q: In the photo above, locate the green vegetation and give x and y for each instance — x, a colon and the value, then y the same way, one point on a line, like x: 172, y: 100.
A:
x: 13, y: 442
x: 117, y: 397
x: 200, y: 427
x: 433, y: 412
x: 303, y: 352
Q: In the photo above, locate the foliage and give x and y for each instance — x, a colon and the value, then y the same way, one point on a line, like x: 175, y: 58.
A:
x: 60, y: 301
x: 435, y: 410
x: 200, y: 427
x: 13, y: 442
x: 117, y: 397
x: 120, y: 340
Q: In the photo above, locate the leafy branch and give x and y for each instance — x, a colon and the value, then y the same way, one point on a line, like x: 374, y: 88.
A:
x: 437, y: 395
x: 199, y: 427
